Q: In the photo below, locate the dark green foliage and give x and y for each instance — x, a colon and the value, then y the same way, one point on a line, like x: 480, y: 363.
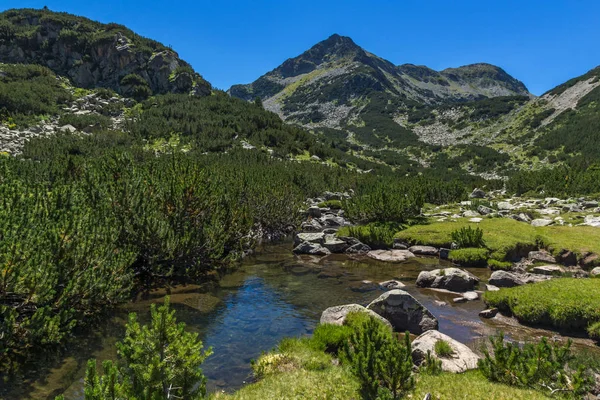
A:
x: 468, y: 237
x: 431, y: 365
x: 136, y: 87
x: 594, y: 330
x: 29, y: 90
x: 539, y: 366
x: 87, y: 122
x: 381, y: 363
x: 331, y: 338
x: 378, y: 235
x: 333, y: 204
x: 559, y: 181
x: 157, y: 361
x: 443, y: 348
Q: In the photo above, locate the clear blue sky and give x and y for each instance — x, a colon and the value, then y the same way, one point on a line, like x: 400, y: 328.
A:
x: 541, y: 42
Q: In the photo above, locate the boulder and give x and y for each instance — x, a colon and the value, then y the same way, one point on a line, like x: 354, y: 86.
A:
x: 505, y: 205
x: 311, y: 248
x: 334, y: 244
x: 358, y: 248
x: 404, y: 312
x: 337, y: 315
x: 309, y: 237
x: 314, y: 212
x: 67, y: 129
x: 503, y: 279
x: 541, y: 222
x: 483, y: 210
x: 542, y: 256
x: 489, y: 313
x: 391, y: 285
x: 311, y: 226
x: 548, y: 270
x: 461, y: 360
x: 333, y: 221
x: 471, y: 214
x: 424, y: 250
x: 390, y: 255
x: 453, y: 279
x: 478, y: 194
x: 595, y: 272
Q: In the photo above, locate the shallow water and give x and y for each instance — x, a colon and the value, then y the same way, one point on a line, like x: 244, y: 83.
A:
x: 272, y: 295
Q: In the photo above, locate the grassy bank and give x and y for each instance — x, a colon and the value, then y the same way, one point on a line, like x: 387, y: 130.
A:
x: 507, y: 238
x: 563, y: 303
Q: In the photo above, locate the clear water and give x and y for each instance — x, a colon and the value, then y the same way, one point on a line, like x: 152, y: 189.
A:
x: 272, y: 295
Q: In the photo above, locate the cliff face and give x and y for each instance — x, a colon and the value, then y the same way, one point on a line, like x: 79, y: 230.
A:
x: 92, y: 54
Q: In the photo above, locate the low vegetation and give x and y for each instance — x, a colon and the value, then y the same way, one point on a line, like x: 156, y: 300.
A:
x: 470, y: 257
x: 562, y: 303
x: 376, y: 235
x: 443, y: 348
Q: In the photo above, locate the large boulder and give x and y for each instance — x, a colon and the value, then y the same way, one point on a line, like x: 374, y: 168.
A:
x: 337, y: 315
x: 424, y: 250
x: 461, y: 360
x: 595, y: 272
x: 452, y: 279
x: 318, y: 238
x: 504, y: 279
x: 311, y: 226
x: 390, y: 255
x: 311, y: 248
x: 334, y: 244
x: 404, y: 312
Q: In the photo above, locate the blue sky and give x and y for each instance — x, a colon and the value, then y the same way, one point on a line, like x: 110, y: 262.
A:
x: 542, y: 43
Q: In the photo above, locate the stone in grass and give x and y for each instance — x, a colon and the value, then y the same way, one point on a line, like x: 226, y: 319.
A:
x: 390, y: 255
x: 542, y: 256
x: 461, y: 359
x: 541, y: 222
x: 337, y: 315
x: 404, y: 312
x: 595, y: 272
x: 548, y: 270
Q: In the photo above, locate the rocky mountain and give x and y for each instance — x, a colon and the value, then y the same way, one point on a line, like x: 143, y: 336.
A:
x: 333, y: 82
x: 92, y: 54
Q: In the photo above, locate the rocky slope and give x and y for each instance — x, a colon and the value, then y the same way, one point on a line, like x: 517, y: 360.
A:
x: 92, y: 54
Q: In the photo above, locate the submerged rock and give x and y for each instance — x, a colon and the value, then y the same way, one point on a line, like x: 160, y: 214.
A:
x: 489, y: 313
x: 452, y: 279
x: 404, y: 312
x: 461, y: 359
x: 311, y: 248
x: 337, y: 315
x: 391, y: 255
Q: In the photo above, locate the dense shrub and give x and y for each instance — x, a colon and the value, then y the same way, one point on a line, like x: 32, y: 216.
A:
x: 540, y: 366
x: 376, y: 235
x: 468, y: 236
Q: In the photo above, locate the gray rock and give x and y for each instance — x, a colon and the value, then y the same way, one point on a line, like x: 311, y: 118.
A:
x: 548, y: 270
x: 311, y: 248
x: 444, y: 253
x: 334, y: 244
x: 491, y: 288
x: 330, y: 231
x: 337, y: 315
x: 462, y: 359
x: 453, y: 279
x: 67, y: 129
x: 471, y: 296
x: 311, y: 226
x: 478, y: 194
x: 471, y: 214
x: 333, y: 221
x: 404, y: 312
x: 489, y: 313
x: 314, y: 212
x: 542, y: 256
x: 595, y: 272
x: 390, y: 255
x: 358, y: 248
x: 309, y: 237
x: 483, y: 210
x: 424, y: 250
x: 505, y: 205
x: 503, y: 279
x: 391, y: 285
x: 541, y: 222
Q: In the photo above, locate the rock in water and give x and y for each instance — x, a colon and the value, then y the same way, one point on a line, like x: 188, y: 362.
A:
x: 424, y: 250
x: 318, y: 238
x: 390, y: 255
x: 452, y: 279
x: 311, y: 248
x: 337, y: 315
x: 505, y: 279
x: 461, y: 360
x: 404, y: 312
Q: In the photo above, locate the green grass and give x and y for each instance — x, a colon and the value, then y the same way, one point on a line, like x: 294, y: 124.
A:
x: 376, y: 235
x: 470, y: 385
x: 565, y: 303
x: 506, y: 238
x: 469, y: 257
x: 594, y: 330
x: 500, y: 265
x: 442, y: 348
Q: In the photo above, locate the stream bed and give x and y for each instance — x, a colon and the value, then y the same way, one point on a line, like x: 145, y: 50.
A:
x: 273, y: 294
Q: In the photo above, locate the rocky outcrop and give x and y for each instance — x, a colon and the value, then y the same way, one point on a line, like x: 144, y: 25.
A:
x: 461, y: 359
x: 337, y: 315
x: 453, y: 279
x: 92, y: 54
x: 404, y: 312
